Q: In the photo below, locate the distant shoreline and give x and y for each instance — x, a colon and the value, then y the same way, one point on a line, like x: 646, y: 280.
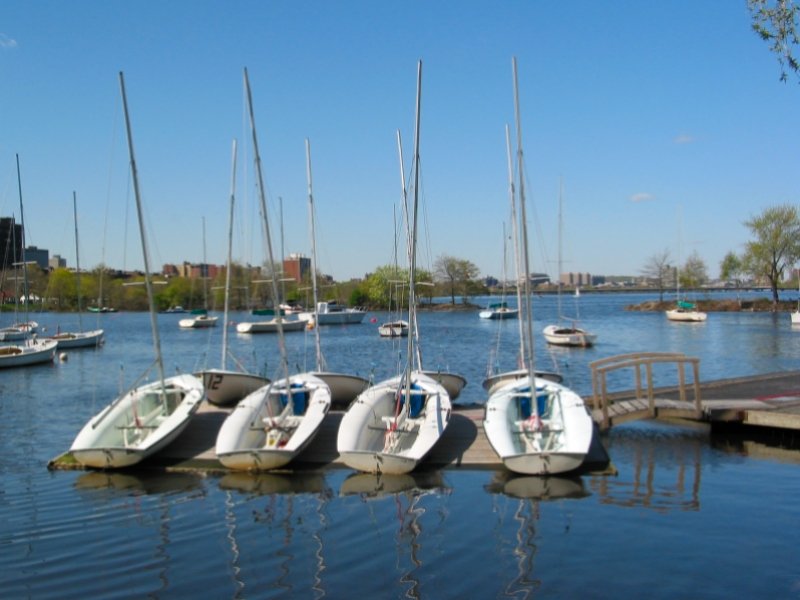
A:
x: 758, y: 305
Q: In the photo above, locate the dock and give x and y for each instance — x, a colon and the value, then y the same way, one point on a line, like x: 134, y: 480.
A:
x: 764, y: 401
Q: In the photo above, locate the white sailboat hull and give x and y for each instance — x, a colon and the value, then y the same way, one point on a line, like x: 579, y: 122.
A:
x: 501, y: 313
x: 138, y: 424
x: 796, y: 317
x: 199, y: 322
x: 226, y: 388
x: 686, y: 316
x: 569, y: 336
x: 344, y: 388
x: 375, y: 438
x: 263, y: 433
x: 83, y: 339
x: 270, y: 326
x: 347, y: 316
x: 32, y: 353
x: 552, y: 438
x: 394, y: 329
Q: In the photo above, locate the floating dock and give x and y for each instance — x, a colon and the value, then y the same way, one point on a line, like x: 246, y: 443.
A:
x: 771, y: 401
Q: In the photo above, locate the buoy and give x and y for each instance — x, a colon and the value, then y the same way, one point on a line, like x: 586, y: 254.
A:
x: 63, y: 357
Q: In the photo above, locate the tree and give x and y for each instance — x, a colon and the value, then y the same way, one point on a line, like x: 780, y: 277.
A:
x: 776, y: 246
x: 694, y: 272
x: 658, y: 269
x: 455, y: 273
x: 776, y: 22
x: 731, y: 268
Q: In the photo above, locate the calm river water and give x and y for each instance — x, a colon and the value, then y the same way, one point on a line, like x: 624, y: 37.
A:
x: 687, y: 515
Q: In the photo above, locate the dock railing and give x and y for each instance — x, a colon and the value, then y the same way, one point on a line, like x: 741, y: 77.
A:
x: 637, y: 360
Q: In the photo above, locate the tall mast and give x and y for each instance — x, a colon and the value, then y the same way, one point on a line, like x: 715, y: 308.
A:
x: 229, y: 263
x: 515, y: 235
x: 267, y: 236
x: 529, y: 359
x: 24, y: 261
x: 77, y: 258
x: 412, y: 294
x: 560, y: 238
x: 320, y: 359
x: 148, y: 284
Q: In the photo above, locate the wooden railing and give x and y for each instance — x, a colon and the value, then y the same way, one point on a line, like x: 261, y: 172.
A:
x: 600, y: 368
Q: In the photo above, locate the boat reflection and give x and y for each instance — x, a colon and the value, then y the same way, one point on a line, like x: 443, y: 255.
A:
x: 146, y: 482
x: 536, y: 488
x: 376, y: 485
x: 263, y: 484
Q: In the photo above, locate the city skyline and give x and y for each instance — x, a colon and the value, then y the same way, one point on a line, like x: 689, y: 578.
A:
x: 667, y: 125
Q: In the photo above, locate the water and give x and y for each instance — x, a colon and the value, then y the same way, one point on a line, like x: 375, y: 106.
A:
x: 687, y: 515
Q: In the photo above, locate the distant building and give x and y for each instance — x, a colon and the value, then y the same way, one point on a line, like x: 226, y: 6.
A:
x: 195, y: 270
x: 56, y: 262
x: 576, y: 279
x: 10, y: 242
x: 38, y: 255
x: 297, y: 267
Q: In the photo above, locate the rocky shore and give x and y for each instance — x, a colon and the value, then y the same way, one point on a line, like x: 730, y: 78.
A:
x: 759, y: 305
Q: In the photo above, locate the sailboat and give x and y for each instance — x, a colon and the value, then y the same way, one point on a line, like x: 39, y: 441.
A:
x: 30, y: 351
x: 571, y: 334
x: 144, y: 419
x: 499, y: 309
x: 796, y: 314
x: 223, y: 386
x: 393, y: 425
x: 344, y: 387
x: 536, y: 426
x: 201, y: 318
x: 273, y: 424
x: 81, y: 338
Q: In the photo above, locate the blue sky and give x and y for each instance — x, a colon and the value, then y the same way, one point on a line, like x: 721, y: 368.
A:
x: 666, y: 122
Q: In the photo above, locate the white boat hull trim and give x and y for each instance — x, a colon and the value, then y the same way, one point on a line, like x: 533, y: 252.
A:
x: 553, y: 436
x: 138, y: 424
x: 569, y: 336
x: 266, y: 430
x: 384, y: 432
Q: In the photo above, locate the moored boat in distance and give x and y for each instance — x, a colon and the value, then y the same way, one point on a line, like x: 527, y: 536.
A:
x: 498, y: 310
x: 333, y: 313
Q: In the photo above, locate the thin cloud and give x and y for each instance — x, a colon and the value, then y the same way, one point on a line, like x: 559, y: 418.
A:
x: 7, y: 42
x: 684, y: 138
x: 642, y: 197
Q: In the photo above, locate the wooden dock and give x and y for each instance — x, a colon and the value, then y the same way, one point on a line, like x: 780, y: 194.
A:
x: 763, y: 401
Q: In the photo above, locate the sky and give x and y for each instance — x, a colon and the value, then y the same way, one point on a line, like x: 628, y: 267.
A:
x: 660, y: 126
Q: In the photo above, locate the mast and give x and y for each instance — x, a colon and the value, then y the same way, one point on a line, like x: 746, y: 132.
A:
x: 529, y: 350
x: 320, y: 358
x: 77, y: 258
x: 229, y: 263
x: 515, y: 234
x: 560, y: 237
x: 267, y: 236
x: 412, y: 294
x: 148, y: 284
x: 24, y: 261
x: 204, y: 270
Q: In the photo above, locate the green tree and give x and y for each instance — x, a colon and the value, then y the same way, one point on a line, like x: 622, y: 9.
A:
x: 731, y: 268
x: 384, y: 287
x: 455, y: 273
x: 694, y: 272
x: 776, y: 246
x: 776, y: 21
x: 657, y: 269
x: 61, y: 289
